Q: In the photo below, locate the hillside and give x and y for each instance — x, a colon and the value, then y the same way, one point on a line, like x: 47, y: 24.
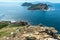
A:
x: 39, y: 6
x: 28, y: 32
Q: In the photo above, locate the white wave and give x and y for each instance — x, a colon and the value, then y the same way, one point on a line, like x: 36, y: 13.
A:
x: 13, y: 21
x: 51, y: 9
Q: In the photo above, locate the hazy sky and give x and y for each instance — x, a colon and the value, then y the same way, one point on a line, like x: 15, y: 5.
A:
x: 30, y: 0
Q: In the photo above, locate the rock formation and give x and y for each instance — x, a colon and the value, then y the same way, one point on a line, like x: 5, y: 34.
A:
x: 33, y: 33
x: 21, y: 23
x: 9, y: 23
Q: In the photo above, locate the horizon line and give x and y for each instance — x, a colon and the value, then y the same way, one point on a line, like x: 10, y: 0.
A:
x: 28, y: 1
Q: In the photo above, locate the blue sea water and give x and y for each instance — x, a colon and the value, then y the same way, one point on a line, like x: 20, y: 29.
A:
x: 13, y: 11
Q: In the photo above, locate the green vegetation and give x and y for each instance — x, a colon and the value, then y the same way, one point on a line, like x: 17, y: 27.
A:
x: 7, y: 31
x: 6, y: 27
x: 10, y: 24
x: 39, y: 6
x: 2, y: 25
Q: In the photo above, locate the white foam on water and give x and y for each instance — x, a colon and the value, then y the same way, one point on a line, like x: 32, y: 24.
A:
x: 50, y: 9
x: 13, y: 21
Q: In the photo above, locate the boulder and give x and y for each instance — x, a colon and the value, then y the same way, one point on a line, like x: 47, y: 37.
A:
x: 30, y: 38
x: 21, y: 23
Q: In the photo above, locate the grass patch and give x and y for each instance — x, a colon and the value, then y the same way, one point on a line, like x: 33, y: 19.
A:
x: 7, y: 31
x: 3, y: 25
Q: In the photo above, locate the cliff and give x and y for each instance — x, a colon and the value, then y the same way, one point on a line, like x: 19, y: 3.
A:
x: 24, y: 31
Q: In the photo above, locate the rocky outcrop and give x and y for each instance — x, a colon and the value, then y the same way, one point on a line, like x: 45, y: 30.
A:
x: 33, y: 33
x: 26, y: 4
x: 14, y: 23
x: 20, y: 23
x: 39, y: 6
x: 30, y: 38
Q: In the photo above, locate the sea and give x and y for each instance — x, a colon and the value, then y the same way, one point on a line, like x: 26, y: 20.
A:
x: 13, y: 11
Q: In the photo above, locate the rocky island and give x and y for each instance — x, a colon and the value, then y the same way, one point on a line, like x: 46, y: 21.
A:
x: 26, y: 4
x: 39, y: 6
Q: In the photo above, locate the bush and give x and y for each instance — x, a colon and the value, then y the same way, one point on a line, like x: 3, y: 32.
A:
x: 3, y: 25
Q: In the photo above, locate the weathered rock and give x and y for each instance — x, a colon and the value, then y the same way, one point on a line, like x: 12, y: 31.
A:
x: 41, y: 25
x: 30, y: 38
x: 49, y: 32
x: 50, y: 39
x: 34, y: 33
x: 21, y: 23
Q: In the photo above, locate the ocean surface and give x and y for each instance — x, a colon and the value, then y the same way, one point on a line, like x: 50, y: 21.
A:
x: 13, y: 11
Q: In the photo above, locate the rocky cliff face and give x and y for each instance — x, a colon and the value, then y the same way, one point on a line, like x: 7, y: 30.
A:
x: 33, y: 33
x: 39, y: 6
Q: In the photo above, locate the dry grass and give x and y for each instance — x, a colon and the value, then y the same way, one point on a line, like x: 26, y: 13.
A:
x: 7, y: 31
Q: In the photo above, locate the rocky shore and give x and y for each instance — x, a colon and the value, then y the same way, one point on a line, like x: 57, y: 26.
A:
x: 24, y: 31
